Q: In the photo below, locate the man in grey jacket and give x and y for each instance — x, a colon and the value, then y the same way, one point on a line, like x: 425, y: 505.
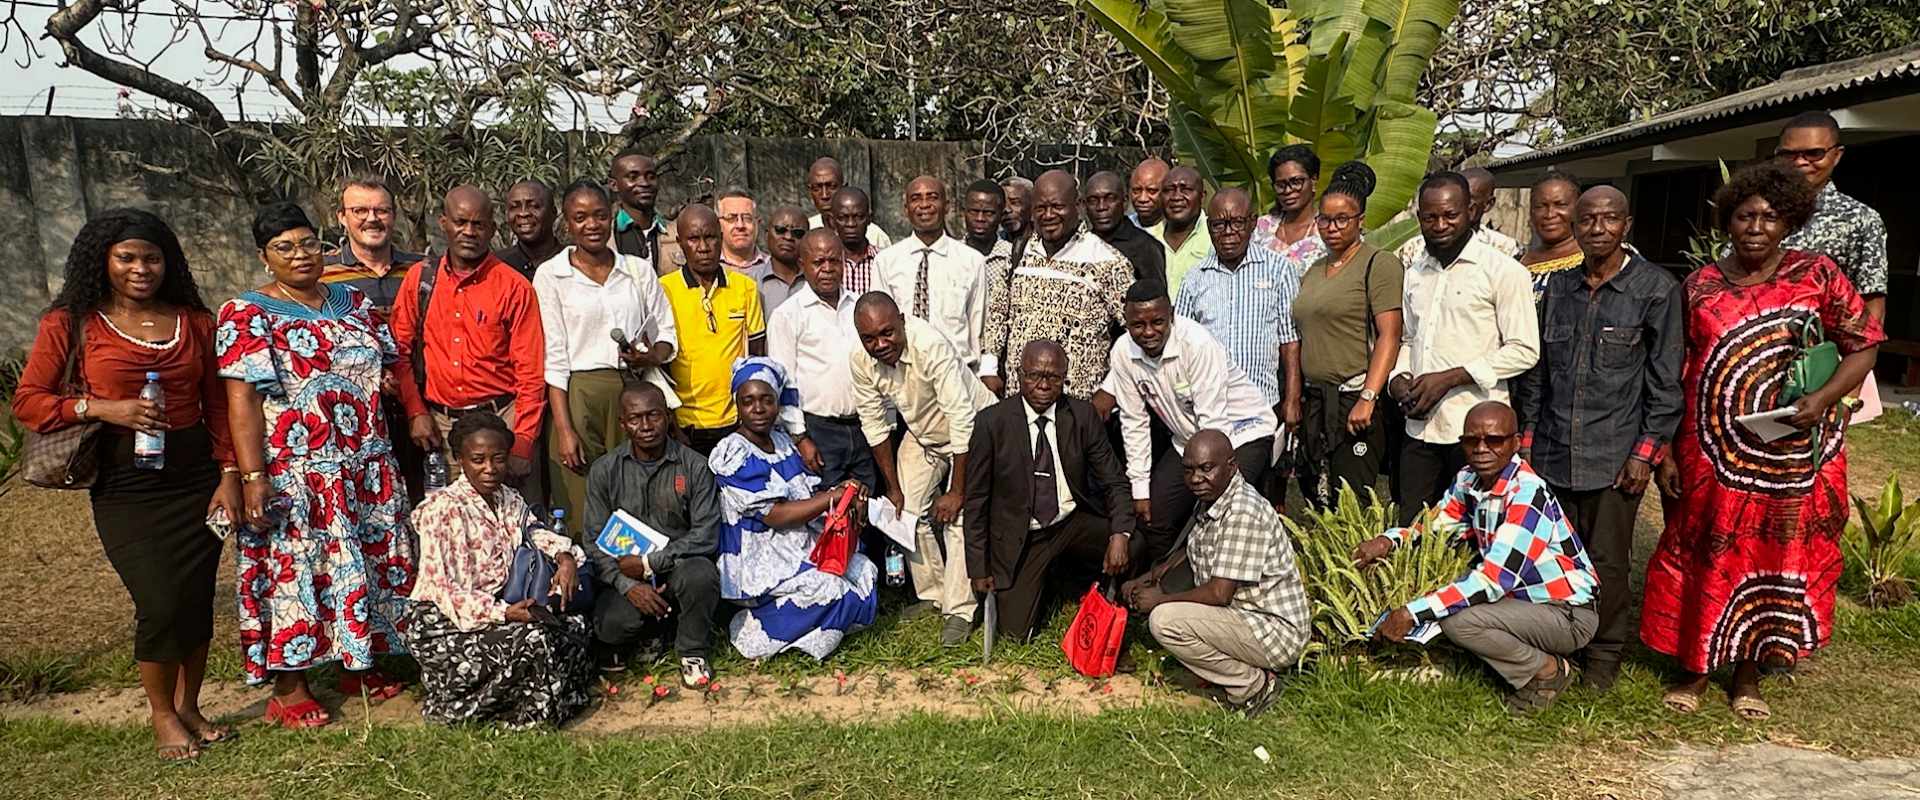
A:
x: 668, y: 487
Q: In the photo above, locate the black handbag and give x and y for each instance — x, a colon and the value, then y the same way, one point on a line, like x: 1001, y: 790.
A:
x: 532, y: 577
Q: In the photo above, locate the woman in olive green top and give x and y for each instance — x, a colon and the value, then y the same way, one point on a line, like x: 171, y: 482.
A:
x: 1348, y: 315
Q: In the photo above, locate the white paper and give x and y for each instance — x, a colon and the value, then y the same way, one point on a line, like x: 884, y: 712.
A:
x: 1769, y: 425
x: 896, y: 524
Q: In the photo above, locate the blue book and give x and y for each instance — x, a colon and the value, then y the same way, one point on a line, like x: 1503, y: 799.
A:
x: 626, y: 535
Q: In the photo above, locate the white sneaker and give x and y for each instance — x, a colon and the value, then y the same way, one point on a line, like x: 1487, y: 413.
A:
x: 694, y: 673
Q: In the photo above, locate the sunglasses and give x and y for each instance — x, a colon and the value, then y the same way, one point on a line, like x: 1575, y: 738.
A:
x: 1492, y: 441
x: 1808, y: 154
x: 783, y: 230
x: 706, y: 304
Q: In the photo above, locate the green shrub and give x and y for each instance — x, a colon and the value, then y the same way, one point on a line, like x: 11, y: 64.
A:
x: 1882, y: 545
x: 37, y: 673
x: 1346, y: 599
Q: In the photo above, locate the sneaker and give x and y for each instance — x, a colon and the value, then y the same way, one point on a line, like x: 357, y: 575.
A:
x: 694, y: 673
x: 609, y: 660
x: 955, y: 632
x: 1261, y: 700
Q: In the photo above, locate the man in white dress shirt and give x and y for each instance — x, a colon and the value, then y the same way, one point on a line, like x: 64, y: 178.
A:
x: 1470, y: 328
x: 1171, y: 368
x: 938, y: 278
x: 812, y: 335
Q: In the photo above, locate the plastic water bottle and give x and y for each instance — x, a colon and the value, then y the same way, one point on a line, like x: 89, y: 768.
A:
x: 150, y: 449
x: 1912, y: 407
x: 559, y: 525
x: 896, y: 566
x: 436, y: 470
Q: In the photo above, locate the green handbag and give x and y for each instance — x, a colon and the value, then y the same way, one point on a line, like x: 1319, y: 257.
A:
x: 1814, y: 366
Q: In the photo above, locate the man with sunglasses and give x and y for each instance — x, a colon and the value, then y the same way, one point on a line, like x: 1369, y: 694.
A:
x: 1844, y: 229
x: 779, y: 275
x: 1527, y: 602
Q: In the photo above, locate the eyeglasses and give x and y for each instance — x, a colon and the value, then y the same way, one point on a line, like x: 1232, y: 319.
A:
x: 309, y: 245
x: 1230, y: 224
x: 795, y: 231
x: 736, y: 219
x: 1337, y: 222
x: 363, y: 212
x: 1293, y: 184
x: 1492, y: 441
x: 1809, y: 154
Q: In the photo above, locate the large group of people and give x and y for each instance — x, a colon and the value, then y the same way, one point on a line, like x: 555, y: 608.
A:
x: 1044, y: 402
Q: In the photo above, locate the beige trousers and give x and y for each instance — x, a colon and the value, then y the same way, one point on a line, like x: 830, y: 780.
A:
x: 529, y: 488
x: 941, y: 579
x: 1215, y: 643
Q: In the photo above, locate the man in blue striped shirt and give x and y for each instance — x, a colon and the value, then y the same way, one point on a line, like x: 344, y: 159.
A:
x: 1243, y: 295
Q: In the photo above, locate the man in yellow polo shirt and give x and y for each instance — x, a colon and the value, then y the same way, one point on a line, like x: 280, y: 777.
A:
x: 720, y: 319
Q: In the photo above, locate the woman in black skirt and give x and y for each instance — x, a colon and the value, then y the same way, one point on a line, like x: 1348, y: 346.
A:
x: 129, y: 308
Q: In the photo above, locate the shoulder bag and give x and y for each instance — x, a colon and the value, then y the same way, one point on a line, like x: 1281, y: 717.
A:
x: 68, y: 458
x: 532, y: 577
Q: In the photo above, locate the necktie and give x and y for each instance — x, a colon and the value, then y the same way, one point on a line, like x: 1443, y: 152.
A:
x: 920, y: 288
x: 1046, y: 496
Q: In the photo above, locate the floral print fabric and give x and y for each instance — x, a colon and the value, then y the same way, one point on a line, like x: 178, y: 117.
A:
x: 329, y: 577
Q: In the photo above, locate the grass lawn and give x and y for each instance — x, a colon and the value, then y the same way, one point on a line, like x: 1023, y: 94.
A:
x: 1341, y: 730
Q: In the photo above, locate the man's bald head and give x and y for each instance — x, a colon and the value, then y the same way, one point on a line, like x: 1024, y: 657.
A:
x: 1490, y: 437
x: 1230, y: 224
x: 699, y: 230
x: 1496, y: 412
x: 823, y: 179
x: 823, y: 259
x: 1209, y: 465
x: 1056, y: 206
x: 1183, y: 194
x: 1043, y: 373
x: 1143, y: 188
x: 926, y: 207
x: 881, y: 326
x: 466, y: 219
x: 1602, y: 221
x: 1104, y: 198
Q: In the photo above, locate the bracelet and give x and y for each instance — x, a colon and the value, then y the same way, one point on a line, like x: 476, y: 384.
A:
x: 249, y: 477
x: 228, y: 469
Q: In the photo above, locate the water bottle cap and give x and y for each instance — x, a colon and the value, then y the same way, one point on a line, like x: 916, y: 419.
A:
x: 153, y: 376
x: 559, y: 513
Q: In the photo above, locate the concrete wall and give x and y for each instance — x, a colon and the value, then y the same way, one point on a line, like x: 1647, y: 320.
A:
x: 55, y: 172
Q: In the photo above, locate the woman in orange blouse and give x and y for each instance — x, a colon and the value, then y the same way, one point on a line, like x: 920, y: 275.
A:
x: 130, y: 307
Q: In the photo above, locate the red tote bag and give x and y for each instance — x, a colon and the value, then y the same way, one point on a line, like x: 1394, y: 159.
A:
x: 1093, y: 640
x: 834, y: 548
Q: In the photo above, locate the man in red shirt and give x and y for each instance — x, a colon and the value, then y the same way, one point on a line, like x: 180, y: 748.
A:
x: 481, y: 344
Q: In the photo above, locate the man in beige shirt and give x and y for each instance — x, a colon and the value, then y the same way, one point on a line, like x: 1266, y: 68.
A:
x: 905, y: 362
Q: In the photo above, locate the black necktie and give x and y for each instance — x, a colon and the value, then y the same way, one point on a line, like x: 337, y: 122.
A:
x: 1046, y: 496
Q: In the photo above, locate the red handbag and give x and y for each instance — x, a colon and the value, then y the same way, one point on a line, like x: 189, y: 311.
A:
x: 1093, y: 641
x: 834, y: 548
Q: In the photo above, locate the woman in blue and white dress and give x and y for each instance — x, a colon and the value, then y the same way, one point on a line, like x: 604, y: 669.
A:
x: 771, y: 515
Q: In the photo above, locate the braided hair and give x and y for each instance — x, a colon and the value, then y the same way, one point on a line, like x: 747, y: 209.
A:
x: 86, y: 287
x: 1354, y: 180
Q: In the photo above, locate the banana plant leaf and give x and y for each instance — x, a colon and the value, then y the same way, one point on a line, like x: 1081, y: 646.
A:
x: 1402, y: 139
x: 1417, y: 26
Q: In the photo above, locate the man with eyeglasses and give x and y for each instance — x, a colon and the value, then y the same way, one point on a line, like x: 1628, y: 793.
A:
x: 1600, y: 407
x: 1527, y: 603
x: 1243, y: 295
x: 1105, y: 201
x: 719, y: 320
x: 639, y: 229
x: 780, y: 275
x: 1184, y: 196
x: 740, y: 247
x: 369, y: 261
x: 1171, y: 369
x: 851, y: 215
x: 530, y: 215
x: 824, y: 180
x: 940, y: 279
x: 1469, y: 328
x: 1844, y: 229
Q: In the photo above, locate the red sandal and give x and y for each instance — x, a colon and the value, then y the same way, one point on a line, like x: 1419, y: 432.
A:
x: 304, y: 714
x: 377, y: 686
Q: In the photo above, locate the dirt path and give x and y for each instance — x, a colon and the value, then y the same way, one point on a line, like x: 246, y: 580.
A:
x: 746, y: 700
x: 1775, y: 772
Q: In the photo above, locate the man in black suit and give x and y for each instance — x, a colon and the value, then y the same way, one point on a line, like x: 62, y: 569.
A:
x: 1048, y: 488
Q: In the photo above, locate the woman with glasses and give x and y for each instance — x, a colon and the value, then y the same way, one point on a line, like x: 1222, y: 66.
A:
x: 1550, y: 212
x: 1289, y: 229
x: 323, y: 552
x: 586, y: 292
x: 1745, y: 572
x: 1348, y: 317
x: 129, y: 309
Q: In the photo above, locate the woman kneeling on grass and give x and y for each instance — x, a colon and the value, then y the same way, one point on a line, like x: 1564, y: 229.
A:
x: 482, y: 658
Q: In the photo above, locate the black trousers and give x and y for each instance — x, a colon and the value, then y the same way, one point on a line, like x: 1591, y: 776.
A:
x: 693, y: 591
x: 1426, y: 472
x: 702, y: 440
x: 1348, y: 457
x: 843, y: 451
x: 1171, y: 503
x: 1059, y: 559
x: 1603, y: 519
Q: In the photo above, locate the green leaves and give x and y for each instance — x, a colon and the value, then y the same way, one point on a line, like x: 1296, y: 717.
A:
x: 1347, y: 599
x: 1242, y: 81
x: 1882, y: 546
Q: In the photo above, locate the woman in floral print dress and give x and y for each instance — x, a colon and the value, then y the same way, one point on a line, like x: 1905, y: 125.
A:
x: 325, y: 558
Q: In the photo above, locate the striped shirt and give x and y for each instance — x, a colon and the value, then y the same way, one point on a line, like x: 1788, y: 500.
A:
x: 1249, y: 308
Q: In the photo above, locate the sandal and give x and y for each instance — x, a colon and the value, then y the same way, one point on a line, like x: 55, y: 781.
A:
x: 1540, y: 693
x: 377, y: 686
x: 177, y: 753
x: 1751, y: 708
x: 218, y: 734
x: 1682, y: 699
x: 305, y: 714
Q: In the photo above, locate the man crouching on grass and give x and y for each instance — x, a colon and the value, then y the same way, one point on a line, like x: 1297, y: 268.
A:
x: 1527, y: 602
x: 1246, y: 616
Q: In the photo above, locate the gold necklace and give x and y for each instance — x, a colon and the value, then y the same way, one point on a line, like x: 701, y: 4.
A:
x: 288, y: 296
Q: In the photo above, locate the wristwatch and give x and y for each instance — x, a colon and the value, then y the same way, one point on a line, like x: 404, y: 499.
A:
x: 80, y: 408
x: 1369, y: 395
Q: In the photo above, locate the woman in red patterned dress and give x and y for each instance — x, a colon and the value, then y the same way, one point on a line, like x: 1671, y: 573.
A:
x: 1746, y: 569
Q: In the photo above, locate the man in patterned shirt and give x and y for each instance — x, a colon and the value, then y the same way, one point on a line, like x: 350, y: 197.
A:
x: 1844, y: 229
x: 850, y: 215
x: 1068, y: 287
x: 1247, y: 615
x: 1528, y: 600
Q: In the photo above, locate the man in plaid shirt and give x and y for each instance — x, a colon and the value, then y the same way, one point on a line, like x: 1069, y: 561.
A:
x: 1246, y: 615
x: 1528, y: 601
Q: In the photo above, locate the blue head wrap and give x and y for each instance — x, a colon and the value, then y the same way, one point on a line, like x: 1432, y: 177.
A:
x: 767, y: 371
